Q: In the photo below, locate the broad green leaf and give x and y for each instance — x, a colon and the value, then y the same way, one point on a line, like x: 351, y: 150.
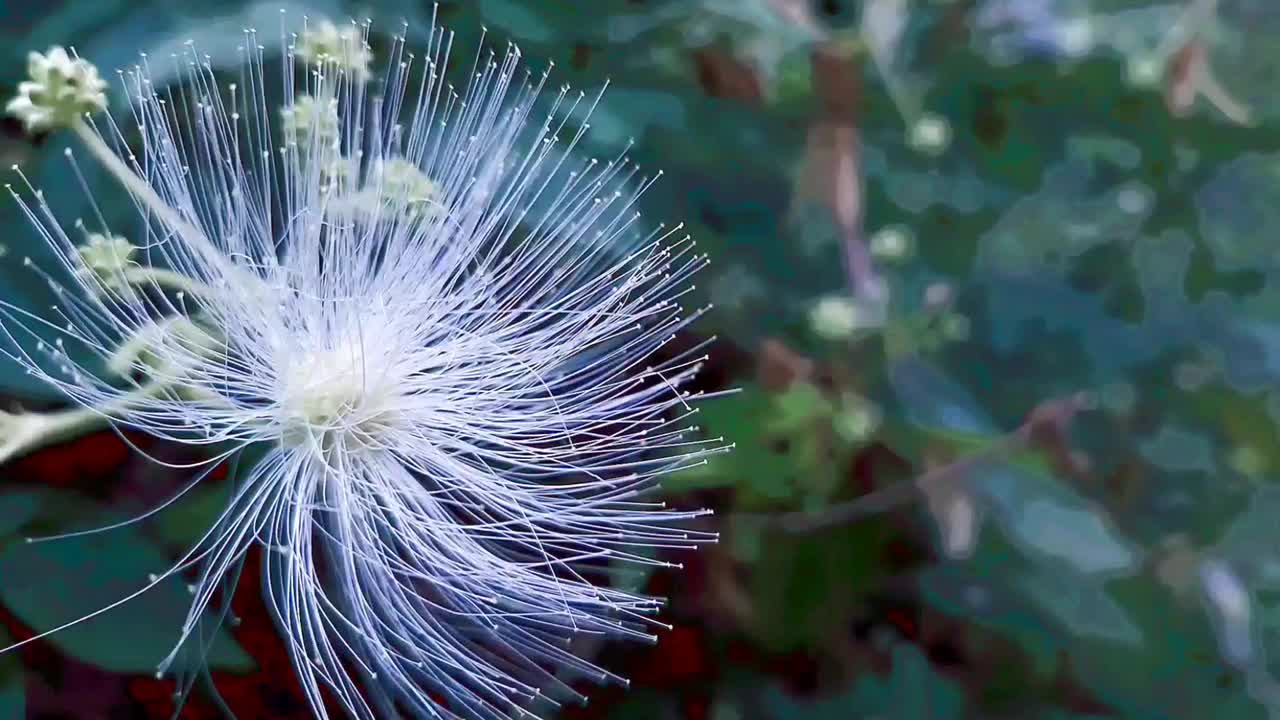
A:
x: 48, y: 584
x: 17, y: 508
x: 13, y: 689
x: 518, y: 19
x: 1051, y: 522
x: 1080, y: 603
x: 187, y: 520
x: 913, y: 690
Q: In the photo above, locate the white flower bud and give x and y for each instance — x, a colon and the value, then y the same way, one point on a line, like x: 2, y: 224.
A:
x: 170, y: 346
x: 1144, y: 71
x: 402, y: 180
x: 310, y: 119
x: 930, y: 134
x: 61, y: 89
x: 326, y: 43
x: 857, y: 419
x: 939, y: 296
x: 106, y: 257
x: 394, y: 185
x: 891, y: 243
x: 836, y: 317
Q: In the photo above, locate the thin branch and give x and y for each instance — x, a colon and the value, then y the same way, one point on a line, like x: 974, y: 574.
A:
x: 1052, y: 416
x: 25, y: 432
x: 834, y: 160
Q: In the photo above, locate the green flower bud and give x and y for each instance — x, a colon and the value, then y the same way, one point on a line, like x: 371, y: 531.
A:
x: 106, y: 257
x: 325, y: 43
x: 62, y: 88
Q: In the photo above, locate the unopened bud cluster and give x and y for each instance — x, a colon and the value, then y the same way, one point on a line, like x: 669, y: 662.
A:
x: 310, y: 118
x: 325, y: 43
x: 106, y: 257
x: 60, y: 90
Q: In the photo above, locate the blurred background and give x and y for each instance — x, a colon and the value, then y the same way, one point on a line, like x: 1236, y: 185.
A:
x: 995, y: 278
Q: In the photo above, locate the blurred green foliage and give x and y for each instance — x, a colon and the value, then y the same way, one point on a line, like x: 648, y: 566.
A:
x: 1075, y: 223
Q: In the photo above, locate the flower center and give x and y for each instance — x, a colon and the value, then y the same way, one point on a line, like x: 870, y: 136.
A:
x: 332, y: 401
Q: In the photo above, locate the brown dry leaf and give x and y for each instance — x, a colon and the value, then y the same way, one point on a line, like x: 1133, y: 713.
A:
x: 778, y: 366
x: 724, y: 76
x: 1190, y: 76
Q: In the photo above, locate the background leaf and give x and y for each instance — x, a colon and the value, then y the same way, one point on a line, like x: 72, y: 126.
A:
x: 46, y: 584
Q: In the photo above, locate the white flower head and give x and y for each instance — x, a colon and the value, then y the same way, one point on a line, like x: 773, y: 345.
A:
x: 464, y: 420
x: 324, y: 43
x: 60, y: 90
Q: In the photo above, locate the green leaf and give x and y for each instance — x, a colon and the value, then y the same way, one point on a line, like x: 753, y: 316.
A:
x: 47, y: 584
x: 802, y: 584
x: 626, y: 113
x: 755, y: 465
x: 1051, y: 522
x: 912, y: 691
x: 17, y: 508
x: 13, y: 689
x: 933, y: 400
x: 797, y: 407
x: 188, y: 519
x: 916, y: 692
x: 518, y: 19
x: 1081, y: 604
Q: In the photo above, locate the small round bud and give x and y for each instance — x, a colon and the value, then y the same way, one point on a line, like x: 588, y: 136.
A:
x: 1144, y: 71
x: 61, y: 89
x: 836, y: 317
x: 955, y: 327
x: 402, y: 180
x: 857, y: 420
x: 931, y: 134
x: 892, y: 243
x: 1248, y: 461
x: 1077, y: 37
x: 939, y: 295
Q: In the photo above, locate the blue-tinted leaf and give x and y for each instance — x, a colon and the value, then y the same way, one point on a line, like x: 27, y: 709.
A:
x: 47, y: 584
x: 17, y: 508
x: 1051, y: 522
x: 912, y: 691
x: 1080, y: 604
x: 518, y: 19
x: 13, y: 689
x: 933, y: 400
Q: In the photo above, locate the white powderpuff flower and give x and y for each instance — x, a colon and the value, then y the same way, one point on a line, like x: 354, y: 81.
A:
x: 464, y: 413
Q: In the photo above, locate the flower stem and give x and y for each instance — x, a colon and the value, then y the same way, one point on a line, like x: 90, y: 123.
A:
x: 160, y: 277
x: 27, y: 432
x: 192, y: 235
